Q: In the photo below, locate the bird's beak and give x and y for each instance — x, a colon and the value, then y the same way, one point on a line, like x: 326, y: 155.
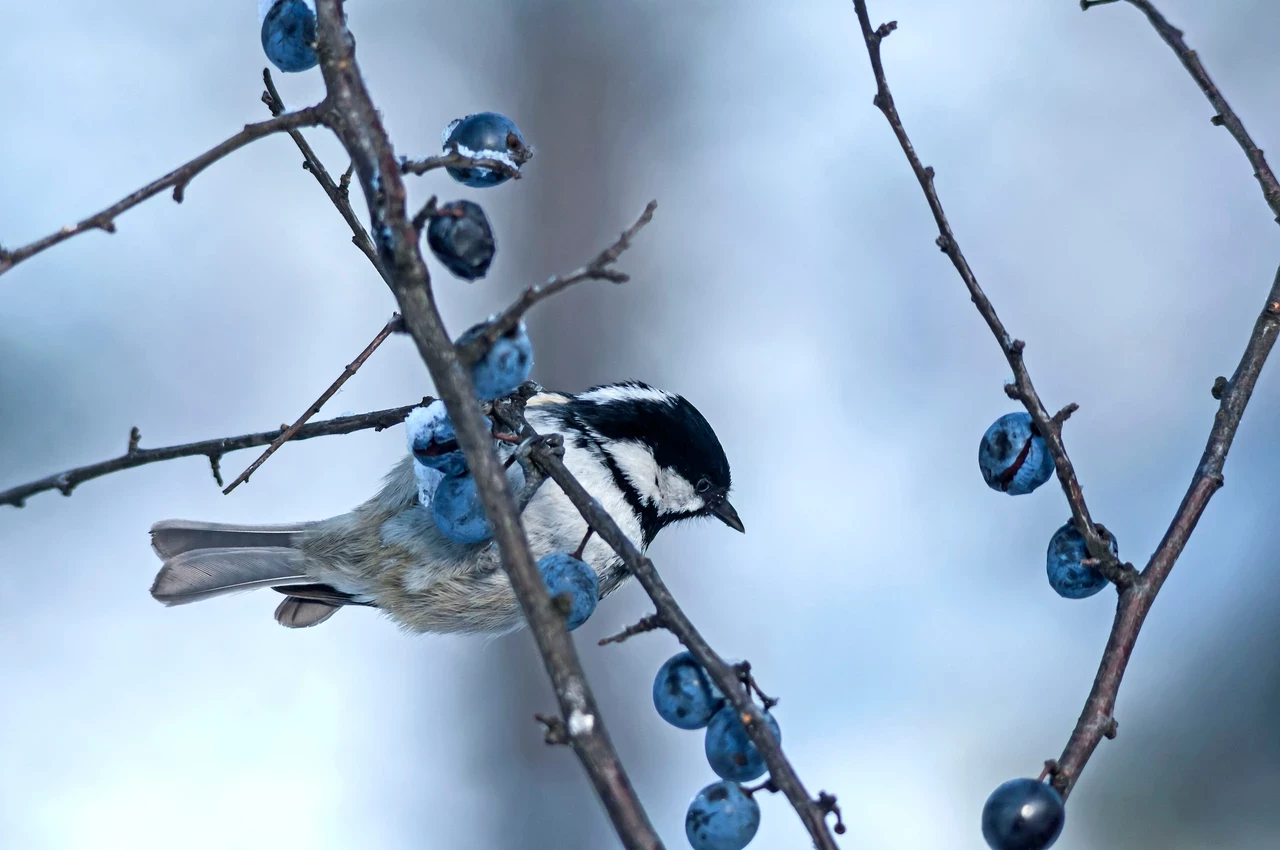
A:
x: 724, y: 511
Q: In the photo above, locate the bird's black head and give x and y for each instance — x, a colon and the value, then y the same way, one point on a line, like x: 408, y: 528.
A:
x: 662, y: 452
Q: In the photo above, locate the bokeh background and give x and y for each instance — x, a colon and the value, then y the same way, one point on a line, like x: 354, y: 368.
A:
x: 789, y: 286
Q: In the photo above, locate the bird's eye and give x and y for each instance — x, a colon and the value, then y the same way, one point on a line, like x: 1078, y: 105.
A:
x: 703, y: 485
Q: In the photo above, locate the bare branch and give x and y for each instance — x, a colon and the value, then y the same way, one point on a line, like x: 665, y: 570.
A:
x: 67, y: 481
x: 728, y: 678
x: 176, y: 179
x: 387, y: 330
x: 358, y: 126
x: 1022, y: 389
x: 651, y: 623
x: 1096, y: 719
x: 1137, y: 590
x: 601, y: 268
x: 337, y: 193
x: 1224, y: 115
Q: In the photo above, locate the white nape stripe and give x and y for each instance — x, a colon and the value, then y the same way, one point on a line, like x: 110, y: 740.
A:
x: 627, y: 392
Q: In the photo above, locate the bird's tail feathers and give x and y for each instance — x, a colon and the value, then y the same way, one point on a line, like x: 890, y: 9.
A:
x: 174, y: 536
x: 196, y: 574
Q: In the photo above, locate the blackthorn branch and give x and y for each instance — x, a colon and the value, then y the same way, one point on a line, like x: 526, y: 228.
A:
x: 134, y: 457
x: 176, y: 180
x: 387, y: 330
x: 726, y: 677
x: 601, y: 268
x: 1022, y: 389
x: 337, y: 192
x: 1137, y: 590
x: 355, y: 120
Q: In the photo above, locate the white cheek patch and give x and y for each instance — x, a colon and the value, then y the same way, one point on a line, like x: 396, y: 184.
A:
x: 677, y: 494
x: 637, y: 464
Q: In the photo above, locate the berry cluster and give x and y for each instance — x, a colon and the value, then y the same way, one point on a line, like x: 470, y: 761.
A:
x: 445, y: 482
x: 724, y: 815
x: 1028, y: 814
x: 1014, y: 459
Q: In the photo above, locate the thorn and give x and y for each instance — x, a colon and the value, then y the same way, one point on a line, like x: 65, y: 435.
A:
x: 767, y: 785
x: 1064, y: 414
x: 827, y: 803
x: 178, y: 192
x: 1219, y: 388
x: 215, y: 464
x: 554, y: 731
x: 651, y: 623
x: 135, y: 436
x: 1050, y: 769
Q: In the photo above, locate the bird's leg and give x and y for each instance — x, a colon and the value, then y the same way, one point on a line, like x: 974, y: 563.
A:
x: 534, y: 477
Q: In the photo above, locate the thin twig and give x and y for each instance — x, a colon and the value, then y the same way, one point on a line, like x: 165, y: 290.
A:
x: 337, y: 193
x: 601, y: 268
x: 1022, y: 389
x: 651, y: 623
x: 812, y: 813
x: 453, y: 159
x: 358, y: 126
x: 176, y: 179
x: 1224, y: 115
x: 212, y: 449
x: 387, y: 330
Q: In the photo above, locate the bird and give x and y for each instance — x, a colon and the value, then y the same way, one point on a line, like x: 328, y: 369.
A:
x: 648, y: 456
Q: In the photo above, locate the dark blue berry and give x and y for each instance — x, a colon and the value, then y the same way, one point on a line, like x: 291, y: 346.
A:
x: 505, y: 366
x: 721, y: 817
x: 485, y: 135
x: 458, y: 511
x: 729, y: 749
x: 288, y: 31
x: 1023, y: 814
x: 460, y: 237
x: 684, y: 694
x: 1067, y: 575
x: 433, y: 441
x: 1013, y: 456
x: 565, y: 574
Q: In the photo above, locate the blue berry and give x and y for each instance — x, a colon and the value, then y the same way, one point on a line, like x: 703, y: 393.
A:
x: 721, y: 817
x: 565, y: 574
x: 730, y: 751
x: 288, y: 31
x: 1013, y: 457
x: 1067, y: 575
x: 683, y: 694
x: 460, y: 237
x: 433, y: 441
x: 1023, y: 814
x: 458, y: 511
x: 485, y: 135
x: 505, y: 366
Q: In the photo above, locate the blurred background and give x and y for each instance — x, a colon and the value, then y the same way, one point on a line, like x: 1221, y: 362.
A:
x: 789, y: 286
